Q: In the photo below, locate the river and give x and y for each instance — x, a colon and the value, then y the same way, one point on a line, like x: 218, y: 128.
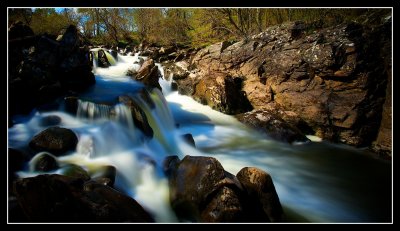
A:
x: 316, y: 181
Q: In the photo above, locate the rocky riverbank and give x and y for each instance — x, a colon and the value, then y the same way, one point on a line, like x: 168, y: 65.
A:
x: 333, y: 82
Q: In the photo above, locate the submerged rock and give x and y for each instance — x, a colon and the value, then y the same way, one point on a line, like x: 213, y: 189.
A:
x: 55, y: 140
x: 50, y: 120
x: 189, y: 139
x: 43, y: 162
x: 271, y: 124
x: 57, y: 198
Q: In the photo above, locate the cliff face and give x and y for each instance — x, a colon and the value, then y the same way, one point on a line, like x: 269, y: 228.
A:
x: 334, y: 79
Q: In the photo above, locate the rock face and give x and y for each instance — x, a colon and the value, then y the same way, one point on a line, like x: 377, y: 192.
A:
x: 334, y: 79
x: 57, y: 198
x: 44, y: 69
x: 202, y: 191
x: 223, y: 93
x: 55, y: 140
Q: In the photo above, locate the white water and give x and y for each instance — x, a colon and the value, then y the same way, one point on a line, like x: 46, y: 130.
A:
x: 321, y: 182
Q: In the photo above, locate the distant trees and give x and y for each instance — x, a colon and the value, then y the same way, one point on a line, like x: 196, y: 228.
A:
x: 172, y: 26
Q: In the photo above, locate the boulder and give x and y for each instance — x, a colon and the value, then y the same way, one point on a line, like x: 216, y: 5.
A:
x: 75, y: 171
x: 104, y: 174
x: 261, y: 191
x: 148, y: 74
x: 202, y: 191
x: 57, y: 198
x: 55, y: 140
x: 43, y: 162
x: 194, y: 179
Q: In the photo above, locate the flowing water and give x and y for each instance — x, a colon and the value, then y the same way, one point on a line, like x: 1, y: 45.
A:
x: 315, y: 181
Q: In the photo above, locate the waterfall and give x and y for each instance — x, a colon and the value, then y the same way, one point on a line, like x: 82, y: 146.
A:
x: 164, y: 83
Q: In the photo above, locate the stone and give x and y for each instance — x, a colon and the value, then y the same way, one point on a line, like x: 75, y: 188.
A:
x: 75, y: 171
x: 103, y: 173
x: 55, y: 140
x: 148, y: 74
x: 50, y: 120
x: 258, y: 184
x: 43, y: 162
x: 57, y: 198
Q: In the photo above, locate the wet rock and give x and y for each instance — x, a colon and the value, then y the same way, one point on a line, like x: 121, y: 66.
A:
x: 148, y: 74
x: 57, y: 198
x: 114, y: 54
x: 75, y: 171
x: 174, y: 86
x: 104, y: 174
x: 271, y: 124
x: 202, y: 191
x: 50, y: 121
x: 43, y: 162
x: 170, y: 164
x: 71, y: 104
x: 102, y: 59
x: 258, y: 185
x: 55, y: 140
x: 225, y: 206
x: 189, y: 139
x: 138, y: 115
x: 191, y: 183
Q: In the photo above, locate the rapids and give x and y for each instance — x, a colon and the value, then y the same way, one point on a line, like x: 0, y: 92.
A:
x: 315, y: 181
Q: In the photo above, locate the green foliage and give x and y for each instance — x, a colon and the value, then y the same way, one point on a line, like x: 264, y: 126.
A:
x: 172, y: 26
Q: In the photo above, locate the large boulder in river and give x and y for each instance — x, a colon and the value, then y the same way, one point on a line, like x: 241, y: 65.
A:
x: 194, y: 182
x: 57, y: 198
x: 334, y: 78
x: 55, y: 140
x: 261, y: 192
x: 202, y: 191
x: 148, y: 74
